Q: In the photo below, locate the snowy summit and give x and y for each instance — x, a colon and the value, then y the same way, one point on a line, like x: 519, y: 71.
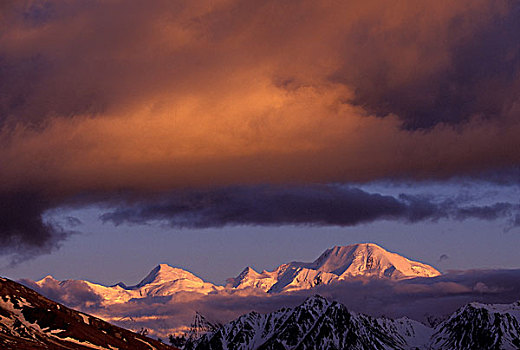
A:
x: 337, y: 263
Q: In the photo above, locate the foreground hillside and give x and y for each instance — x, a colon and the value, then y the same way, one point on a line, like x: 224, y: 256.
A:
x: 30, y: 321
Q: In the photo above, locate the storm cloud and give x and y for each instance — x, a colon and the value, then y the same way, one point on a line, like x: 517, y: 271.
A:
x: 297, y: 205
x: 469, y: 68
x: 101, y: 98
x: 23, y: 230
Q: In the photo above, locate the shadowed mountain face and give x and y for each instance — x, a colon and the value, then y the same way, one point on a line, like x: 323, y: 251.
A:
x: 320, y: 324
x: 315, y: 324
x: 488, y: 326
x: 30, y: 321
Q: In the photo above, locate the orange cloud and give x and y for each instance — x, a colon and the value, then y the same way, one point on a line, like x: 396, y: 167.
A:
x: 101, y: 96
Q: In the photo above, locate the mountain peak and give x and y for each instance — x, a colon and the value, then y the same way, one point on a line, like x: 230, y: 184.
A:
x: 358, y: 245
x: 248, y: 271
x: 335, y: 264
x: 337, y: 250
x: 315, y: 301
x: 369, y: 259
x: 315, y: 324
x: 46, y: 279
x: 250, y: 278
x: 165, y: 273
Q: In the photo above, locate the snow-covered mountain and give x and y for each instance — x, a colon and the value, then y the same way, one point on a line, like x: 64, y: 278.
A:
x: 168, y: 286
x: 166, y: 280
x: 321, y: 324
x: 335, y: 264
x: 30, y: 321
x: 315, y: 324
x: 163, y: 280
x: 480, y: 326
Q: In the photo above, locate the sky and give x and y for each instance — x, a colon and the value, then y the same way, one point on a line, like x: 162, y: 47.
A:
x: 213, y: 135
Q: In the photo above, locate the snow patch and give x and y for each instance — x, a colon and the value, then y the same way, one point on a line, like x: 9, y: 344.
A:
x: 85, y: 318
x: 142, y: 341
x: 84, y: 343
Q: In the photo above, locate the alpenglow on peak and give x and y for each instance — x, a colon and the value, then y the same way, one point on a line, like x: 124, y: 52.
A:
x: 335, y: 264
x: 339, y: 263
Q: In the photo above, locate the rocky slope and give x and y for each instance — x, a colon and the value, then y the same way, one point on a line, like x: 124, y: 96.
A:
x: 480, y: 326
x: 30, y: 321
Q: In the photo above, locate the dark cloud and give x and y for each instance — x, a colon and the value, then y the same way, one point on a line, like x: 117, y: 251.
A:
x: 486, y: 212
x: 469, y: 70
x: 296, y: 205
x: 23, y: 230
x: 264, y: 205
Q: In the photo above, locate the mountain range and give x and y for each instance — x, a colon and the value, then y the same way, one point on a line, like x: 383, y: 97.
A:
x: 31, y: 321
x: 321, y: 324
x: 339, y: 263
x: 167, y: 294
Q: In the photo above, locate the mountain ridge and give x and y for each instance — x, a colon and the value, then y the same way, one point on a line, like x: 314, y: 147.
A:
x: 169, y: 285
x: 335, y: 264
x: 321, y: 324
x: 315, y: 324
x: 363, y: 260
